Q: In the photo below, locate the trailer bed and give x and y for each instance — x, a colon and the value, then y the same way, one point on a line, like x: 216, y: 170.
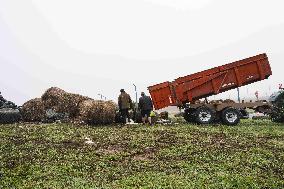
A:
x: 210, y: 82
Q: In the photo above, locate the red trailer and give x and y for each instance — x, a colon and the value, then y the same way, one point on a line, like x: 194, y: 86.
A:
x: 203, y: 84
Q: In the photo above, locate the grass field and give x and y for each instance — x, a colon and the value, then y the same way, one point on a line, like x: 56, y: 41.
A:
x: 250, y: 155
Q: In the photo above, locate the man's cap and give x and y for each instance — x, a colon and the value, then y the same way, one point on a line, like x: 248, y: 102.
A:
x: 122, y: 90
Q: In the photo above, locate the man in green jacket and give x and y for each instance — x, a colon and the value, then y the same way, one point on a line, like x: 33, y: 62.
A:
x: 124, y: 103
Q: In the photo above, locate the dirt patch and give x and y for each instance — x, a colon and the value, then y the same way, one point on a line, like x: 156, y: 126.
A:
x: 215, y: 141
x: 11, y: 164
x: 70, y: 143
x: 219, y: 140
x: 115, y: 149
x: 18, y: 140
x: 142, y: 157
x: 147, y: 154
x: 225, y: 142
x: 164, y: 138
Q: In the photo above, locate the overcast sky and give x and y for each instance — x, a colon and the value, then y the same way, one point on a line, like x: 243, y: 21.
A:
x: 91, y: 46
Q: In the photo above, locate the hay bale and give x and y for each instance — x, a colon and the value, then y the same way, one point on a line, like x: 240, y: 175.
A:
x: 63, y: 102
x: 97, y: 112
x: 33, y: 110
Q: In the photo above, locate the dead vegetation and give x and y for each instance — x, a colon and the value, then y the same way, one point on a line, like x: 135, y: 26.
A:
x: 63, y: 102
x: 97, y: 112
x: 33, y: 110
x: 80, y: 109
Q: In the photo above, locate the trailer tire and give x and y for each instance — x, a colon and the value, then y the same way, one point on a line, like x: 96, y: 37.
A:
x: 204, y: 115
x: 189, y: 115
x: 231, y: 116
x: 277, y: 119
x: 276, y: 116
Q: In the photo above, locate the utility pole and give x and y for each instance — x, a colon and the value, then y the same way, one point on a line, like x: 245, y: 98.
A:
x: 136, y: 104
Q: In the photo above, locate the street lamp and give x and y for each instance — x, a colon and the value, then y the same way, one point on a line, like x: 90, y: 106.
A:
x: 102, y: 96
x: 135, y: 88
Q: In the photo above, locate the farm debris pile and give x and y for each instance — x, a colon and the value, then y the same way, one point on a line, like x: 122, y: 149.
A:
x: 62, y: 102
x: 58, y: 105
x: 33, y: 110
x: 97, y: 112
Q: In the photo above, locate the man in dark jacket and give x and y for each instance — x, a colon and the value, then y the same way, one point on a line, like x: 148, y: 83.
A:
x: 124, y: 103
x: 146, y: 106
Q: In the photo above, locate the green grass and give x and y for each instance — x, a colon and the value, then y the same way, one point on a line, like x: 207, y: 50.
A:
x: 250, y: 155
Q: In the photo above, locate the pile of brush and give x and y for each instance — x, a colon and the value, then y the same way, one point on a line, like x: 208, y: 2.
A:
x: 78, y: 108
x: 33, y: 110
x: 97, y: 112
x: 63, y: 102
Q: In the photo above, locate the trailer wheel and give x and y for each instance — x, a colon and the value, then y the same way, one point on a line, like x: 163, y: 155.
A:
x: 189, y: 115
x: 231, y: 116
x: 204, y: 115
x: 276, y: 116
